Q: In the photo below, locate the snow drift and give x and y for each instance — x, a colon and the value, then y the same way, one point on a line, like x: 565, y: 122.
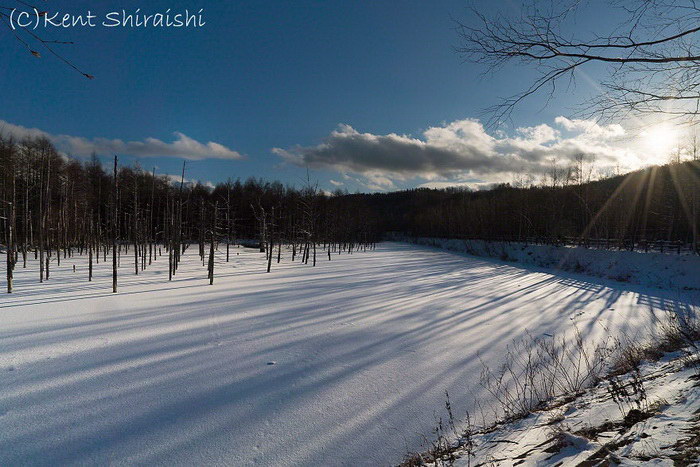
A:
x: 666, y: 271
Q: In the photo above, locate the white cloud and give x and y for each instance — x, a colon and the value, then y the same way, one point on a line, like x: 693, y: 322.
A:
x: 336, y: 183
x: 175, y: 180
x: 464, y: 150
x: 539, y: 134
x: 591, y: 128
x: 183, y: 146
x: 457, y: 147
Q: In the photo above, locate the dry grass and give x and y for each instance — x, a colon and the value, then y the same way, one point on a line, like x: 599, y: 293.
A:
x: 538, y: 372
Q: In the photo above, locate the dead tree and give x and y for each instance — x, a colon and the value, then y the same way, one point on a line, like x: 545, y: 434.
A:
x: 135, y: 226
x: 151, y: 228
x: 309, y: 219
x: 43, y: 214
x: 270, y: 241
x: 171, y: 239
x: 201, y: 230
x: 27, y: 223
x: 212, y: 239
x: 90, y: 242
x: 178, y: 232
x: 652, y: 56
x: 115, y: 224
x: 228, y: 218
x: 261, y: 217
x: 10, y: 222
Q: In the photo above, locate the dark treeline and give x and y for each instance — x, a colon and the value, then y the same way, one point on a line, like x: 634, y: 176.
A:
x: 53, y: 207
x: 657, y: 203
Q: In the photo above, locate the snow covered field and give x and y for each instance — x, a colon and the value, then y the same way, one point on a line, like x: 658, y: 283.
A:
x: 364, y: 348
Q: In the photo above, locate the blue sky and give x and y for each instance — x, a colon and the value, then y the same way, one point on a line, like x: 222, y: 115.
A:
x: 268, y: 74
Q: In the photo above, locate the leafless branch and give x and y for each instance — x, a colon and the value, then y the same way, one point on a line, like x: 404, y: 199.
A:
x: 652, y: 58
x: 27, y: 37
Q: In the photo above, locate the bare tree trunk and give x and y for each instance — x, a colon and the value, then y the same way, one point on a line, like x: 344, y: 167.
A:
x: 25, y: 237
x: 135, y: 227
x: 115, y: 223
x: 211, y: 246
x: 47, y: 210
x: 97, y: 238
x: 171, y: 265
x: 9, y: 261
x: 90, y: 241
x: 10, y: 236
x: 151, y: 228
x: 59, y: 228
x: 42, y: 195
x: 201, y: 230
x: 228, y: 218
x: 270, y: 240
x: 178, y: 235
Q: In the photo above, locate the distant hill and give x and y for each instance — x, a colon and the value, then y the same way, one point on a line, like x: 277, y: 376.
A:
x: 656, y: 203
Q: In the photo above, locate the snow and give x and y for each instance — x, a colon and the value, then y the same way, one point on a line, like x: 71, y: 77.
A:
x: 364, y: 348
x: 670, y: 401
x: 661, y: 270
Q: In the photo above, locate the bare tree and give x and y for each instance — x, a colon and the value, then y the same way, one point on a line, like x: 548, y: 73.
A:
x: 90, y: 245
x: 309, y: 217
x: 270, y: 240
x: 25, y: 35
x: 115, y: 224
x: 228, y: 219
x: 652, y: 55
x: 212, y: 239
x: 10, y: 219
x: 262, y: 218
x: 151, y: 228
x: 135, y: 226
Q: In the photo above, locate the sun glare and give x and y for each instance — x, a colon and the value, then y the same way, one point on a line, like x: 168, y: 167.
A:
x: 661, y: 139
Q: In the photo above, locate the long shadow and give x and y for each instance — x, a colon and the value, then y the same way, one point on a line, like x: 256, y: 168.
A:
x: 359, y: 348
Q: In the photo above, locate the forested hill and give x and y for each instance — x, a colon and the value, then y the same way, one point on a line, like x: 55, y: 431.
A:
x: 71, y: 202
x: 657, y: 203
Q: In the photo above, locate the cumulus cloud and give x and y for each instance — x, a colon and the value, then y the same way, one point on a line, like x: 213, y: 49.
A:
x: 591, y: 128
x: 460, y: 150
x: 443, y: 151
x: 182, y: 146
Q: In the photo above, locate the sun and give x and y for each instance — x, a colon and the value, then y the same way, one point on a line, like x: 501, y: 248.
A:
x: 661, y: 139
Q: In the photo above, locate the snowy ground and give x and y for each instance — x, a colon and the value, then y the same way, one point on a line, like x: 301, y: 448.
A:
x: 654, y: 420
x: 364, y: 347
x: 662, y: 270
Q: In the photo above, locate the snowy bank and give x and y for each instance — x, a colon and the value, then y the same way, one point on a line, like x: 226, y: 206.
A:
x: 666, y: 271
x: 643, y: 417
